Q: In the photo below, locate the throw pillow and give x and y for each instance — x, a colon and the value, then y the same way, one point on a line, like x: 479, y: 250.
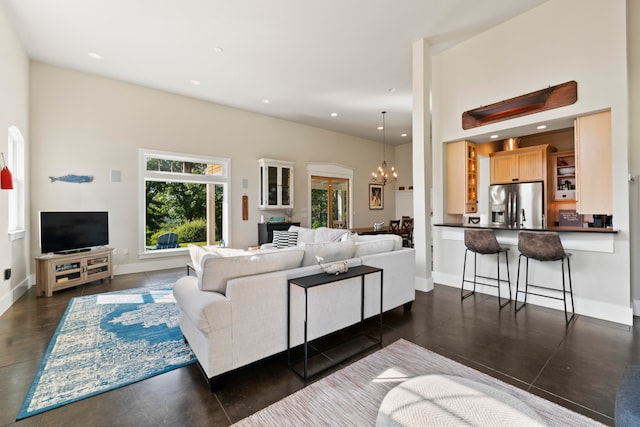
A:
x: 284, y: 239
x: 305, y: 235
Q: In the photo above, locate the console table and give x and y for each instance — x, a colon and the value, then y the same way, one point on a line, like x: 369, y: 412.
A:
x: 308, y: 282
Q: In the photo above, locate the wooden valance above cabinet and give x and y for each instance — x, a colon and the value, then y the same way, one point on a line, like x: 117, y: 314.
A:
x: 530, y: 103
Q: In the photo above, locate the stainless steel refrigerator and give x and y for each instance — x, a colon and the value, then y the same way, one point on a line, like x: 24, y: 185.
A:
x: 519, y: 205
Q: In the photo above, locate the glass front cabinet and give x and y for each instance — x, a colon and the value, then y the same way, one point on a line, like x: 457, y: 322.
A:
x: 276, y: 184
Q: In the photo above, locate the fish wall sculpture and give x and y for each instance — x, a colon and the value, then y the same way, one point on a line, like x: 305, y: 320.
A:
x: 78, y: 179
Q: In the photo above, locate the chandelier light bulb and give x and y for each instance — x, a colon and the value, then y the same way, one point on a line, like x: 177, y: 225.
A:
x: 382, y: 177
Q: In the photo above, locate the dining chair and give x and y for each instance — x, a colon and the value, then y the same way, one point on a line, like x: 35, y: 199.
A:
x: 406, y: 231
x: 339, y: 224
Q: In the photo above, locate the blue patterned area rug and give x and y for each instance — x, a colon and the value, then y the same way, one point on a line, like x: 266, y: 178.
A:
x: 107, y: 341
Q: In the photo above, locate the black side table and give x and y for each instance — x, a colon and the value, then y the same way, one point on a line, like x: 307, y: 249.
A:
x: 307, y: 282
x: 265, y: 230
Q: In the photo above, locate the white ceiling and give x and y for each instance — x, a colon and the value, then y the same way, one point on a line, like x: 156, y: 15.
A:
x: 308, y: 58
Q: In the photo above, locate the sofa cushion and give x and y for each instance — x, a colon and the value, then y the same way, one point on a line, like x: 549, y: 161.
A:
x: 375, y: 246
x: 284, y: 239
x: 329, y: 251
x: 305, y: 235
x: 324, y: 234
x: 397, y: 240
x: 196, y: 252
x: 208, y: 310
x: 219, y: 265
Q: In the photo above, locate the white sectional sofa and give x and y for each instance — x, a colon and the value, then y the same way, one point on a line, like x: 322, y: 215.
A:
x: 234, y: 310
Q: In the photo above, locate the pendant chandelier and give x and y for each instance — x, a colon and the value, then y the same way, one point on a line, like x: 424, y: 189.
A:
x: 384, y: 174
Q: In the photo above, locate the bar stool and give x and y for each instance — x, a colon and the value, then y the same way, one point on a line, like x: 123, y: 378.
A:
x: 543, y: 246
x: 484, y: 242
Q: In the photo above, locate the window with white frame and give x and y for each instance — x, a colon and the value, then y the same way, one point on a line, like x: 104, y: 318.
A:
x: 16, y: 163
x: 184, y: 199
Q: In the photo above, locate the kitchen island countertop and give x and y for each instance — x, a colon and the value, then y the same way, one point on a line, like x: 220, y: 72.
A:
x: 551, y: 228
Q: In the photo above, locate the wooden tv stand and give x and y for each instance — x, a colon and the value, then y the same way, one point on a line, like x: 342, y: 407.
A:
x: 56, y: 272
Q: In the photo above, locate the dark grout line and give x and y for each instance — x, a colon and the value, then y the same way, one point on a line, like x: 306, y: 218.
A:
x: 572, y: 322
x: 224, y: 411
x: 571, y: 402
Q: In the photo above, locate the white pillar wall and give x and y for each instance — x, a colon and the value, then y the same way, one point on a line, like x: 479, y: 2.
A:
x: 422, y: 180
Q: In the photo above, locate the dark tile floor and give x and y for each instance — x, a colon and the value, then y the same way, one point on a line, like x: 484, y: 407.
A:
x: 578, y: 367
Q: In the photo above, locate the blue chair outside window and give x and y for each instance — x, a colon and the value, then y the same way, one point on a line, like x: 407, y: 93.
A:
x: 167, y: 241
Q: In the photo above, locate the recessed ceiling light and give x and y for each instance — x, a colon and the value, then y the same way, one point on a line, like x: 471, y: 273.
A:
x: 334, y: 114
x: 404, y: 134
x: 266, y: 101
x: 380, y: 128
x: 391, y: 89
x: 494, y: 136
x: 195, y: 82
x: 542, y: 127
x: 94, y: 55
x: 218, y: 49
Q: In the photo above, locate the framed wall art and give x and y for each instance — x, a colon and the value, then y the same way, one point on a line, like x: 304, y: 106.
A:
x: 376, y: 196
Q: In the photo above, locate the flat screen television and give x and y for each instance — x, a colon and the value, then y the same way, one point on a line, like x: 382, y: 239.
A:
x: 68, y: 232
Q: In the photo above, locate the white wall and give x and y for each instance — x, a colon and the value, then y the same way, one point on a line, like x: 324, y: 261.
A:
x: 633, y: 52
x: 559, y: 41
x: 14, y: 90
x: 88, y: 125
x: 404, y: 165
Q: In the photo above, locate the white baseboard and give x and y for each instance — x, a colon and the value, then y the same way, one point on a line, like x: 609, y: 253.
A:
x: 424, y: 284
x: 141, y: 267
x: 596, y: 309
x: 15, y: 294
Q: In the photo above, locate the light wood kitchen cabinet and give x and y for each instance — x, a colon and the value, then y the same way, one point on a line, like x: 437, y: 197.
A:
x: 462, y: 178
x: 520, y: 165
x: 593, y: 164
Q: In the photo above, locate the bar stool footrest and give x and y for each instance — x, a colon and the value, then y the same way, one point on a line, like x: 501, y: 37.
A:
x: 468, y: 294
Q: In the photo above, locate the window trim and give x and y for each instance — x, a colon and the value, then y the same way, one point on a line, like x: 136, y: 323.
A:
x: 224, y: 178
x: 17, y: 198
x: 330, y: 170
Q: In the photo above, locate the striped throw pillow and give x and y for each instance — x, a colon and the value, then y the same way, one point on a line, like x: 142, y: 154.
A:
x: 284, y: 239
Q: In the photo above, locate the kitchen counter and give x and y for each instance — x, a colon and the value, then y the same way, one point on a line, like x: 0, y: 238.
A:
x: 600, y: 288
x: 552, y: 228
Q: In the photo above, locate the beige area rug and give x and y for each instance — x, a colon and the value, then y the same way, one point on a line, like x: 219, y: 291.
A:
x: 353, y: 395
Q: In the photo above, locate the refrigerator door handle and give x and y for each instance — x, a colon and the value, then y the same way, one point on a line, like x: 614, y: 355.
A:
x: 509, y: 209
x: 516, y: 210
x: 516, y: 205
x: 510, y: 220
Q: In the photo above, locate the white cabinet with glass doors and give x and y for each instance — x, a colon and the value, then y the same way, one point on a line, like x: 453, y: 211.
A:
x: 276, y: 184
